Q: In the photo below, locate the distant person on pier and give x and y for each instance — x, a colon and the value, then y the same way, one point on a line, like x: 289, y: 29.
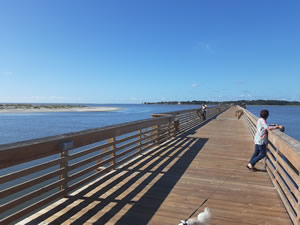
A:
x: 203, y: 111
x: 261, y: 139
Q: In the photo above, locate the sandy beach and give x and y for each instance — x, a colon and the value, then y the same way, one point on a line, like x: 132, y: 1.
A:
x: 72, y: 109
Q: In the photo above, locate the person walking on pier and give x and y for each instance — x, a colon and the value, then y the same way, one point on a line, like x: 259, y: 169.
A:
x: 261, y: 139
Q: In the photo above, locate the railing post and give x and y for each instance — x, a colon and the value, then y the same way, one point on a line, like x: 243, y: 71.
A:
x: 172, y: 128
x: 140, y: 141
x: 112, y: 155
x: 298, y: 198
x: 64, y: 154
x: 145, y: 137
x: 169, y: 128
x: 64, y: 165
x: 159, y: 137
x: 176, y: 125
x: 113, y: 148
x: 155, y: 134
x: 158, y: 130
x: 276, y: 159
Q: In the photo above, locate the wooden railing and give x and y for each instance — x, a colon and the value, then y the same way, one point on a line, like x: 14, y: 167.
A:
x: 283, y: 166
x: 37, y: 172
x: 185, y: 119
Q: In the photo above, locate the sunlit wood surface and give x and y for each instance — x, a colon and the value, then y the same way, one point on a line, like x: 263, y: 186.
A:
x: 207, y: 164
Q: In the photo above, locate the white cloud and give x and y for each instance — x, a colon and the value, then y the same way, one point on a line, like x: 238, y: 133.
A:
x: 246, y: 96
x: 195, y: 85
x: 135, y: 99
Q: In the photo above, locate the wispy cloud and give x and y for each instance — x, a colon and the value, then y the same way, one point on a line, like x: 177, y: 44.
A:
x: 41, y: 99
x: 239, y: 83
x: 195, y: 85
x: 38, y: 98
x: 135, y: 99
x: 7, y: 74
x: 206, y: 47
x: 246, y: 96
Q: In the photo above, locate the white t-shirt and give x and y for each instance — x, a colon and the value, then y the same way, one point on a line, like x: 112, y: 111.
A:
x: 261, y: 136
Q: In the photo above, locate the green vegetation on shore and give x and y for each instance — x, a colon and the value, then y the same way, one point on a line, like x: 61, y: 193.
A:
x: 239, y: 102
x: 39, y: 106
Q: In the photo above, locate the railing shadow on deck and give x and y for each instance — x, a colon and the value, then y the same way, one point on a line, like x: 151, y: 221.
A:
x: 193, y: 130
x: 36, y: 173
x: 143, y: 209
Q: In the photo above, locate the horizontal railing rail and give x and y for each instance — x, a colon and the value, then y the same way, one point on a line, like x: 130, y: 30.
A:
x: 186, y: 119
x: 37, y: 172
x: 283, y: 166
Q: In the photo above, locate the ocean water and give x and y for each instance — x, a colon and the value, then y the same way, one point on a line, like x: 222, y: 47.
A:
x: 25, y: 126
x: 16, y: 127
x: 288, y: 116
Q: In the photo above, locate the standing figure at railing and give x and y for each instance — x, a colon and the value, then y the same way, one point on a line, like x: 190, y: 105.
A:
x: 203, y: 111
x: 261, y: 138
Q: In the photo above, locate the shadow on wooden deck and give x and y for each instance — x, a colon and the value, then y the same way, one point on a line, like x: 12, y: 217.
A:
x: 158, y: 164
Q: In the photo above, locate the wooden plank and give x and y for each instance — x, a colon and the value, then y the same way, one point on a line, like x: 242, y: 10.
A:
x: 284, y: 181
x: 88, y: 160
x: 285, y: 202
x: 17, y: 153
x: 30, y: 170
x: 89, y: 169
x: 286, y: 192
x: 290, y: 151
x: 89, y: 150
x: 127, y: 151
x: 128, y: 144
x: 9, y: 205
x: 168, y: 183
x: 128, y: 138
x: 30, y: 183
x: 288, y: 169
x: 121, y: 162
x: 89, y: 178
x: 31, y: 208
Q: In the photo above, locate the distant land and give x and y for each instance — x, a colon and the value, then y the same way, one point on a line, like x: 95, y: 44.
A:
x: 239, y: 102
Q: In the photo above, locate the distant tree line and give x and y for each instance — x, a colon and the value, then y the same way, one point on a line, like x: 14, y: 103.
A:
x: 239, y: 102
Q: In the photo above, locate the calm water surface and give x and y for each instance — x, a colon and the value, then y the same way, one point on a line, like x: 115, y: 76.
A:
x: 25, y: 126
x: 288, y: 116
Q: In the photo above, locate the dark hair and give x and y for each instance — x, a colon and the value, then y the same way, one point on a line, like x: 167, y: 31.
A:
x: 264, y: 114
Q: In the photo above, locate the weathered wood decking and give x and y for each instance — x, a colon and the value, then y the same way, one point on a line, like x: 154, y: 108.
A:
x: 169, y: 183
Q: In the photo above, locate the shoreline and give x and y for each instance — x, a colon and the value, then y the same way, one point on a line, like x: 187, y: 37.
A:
x: 71, y: 109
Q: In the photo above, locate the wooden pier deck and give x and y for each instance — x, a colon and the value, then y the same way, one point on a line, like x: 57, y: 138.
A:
x: 205, y: 165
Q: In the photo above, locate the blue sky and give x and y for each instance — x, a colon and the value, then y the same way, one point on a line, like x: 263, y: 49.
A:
x: 148, y: 50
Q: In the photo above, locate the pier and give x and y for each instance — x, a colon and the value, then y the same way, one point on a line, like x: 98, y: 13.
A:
x: 154, y: 171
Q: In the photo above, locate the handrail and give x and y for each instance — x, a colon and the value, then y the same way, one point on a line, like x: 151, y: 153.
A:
x: 37, y: 172
x: 186, y: 118
x: 283, y: 166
